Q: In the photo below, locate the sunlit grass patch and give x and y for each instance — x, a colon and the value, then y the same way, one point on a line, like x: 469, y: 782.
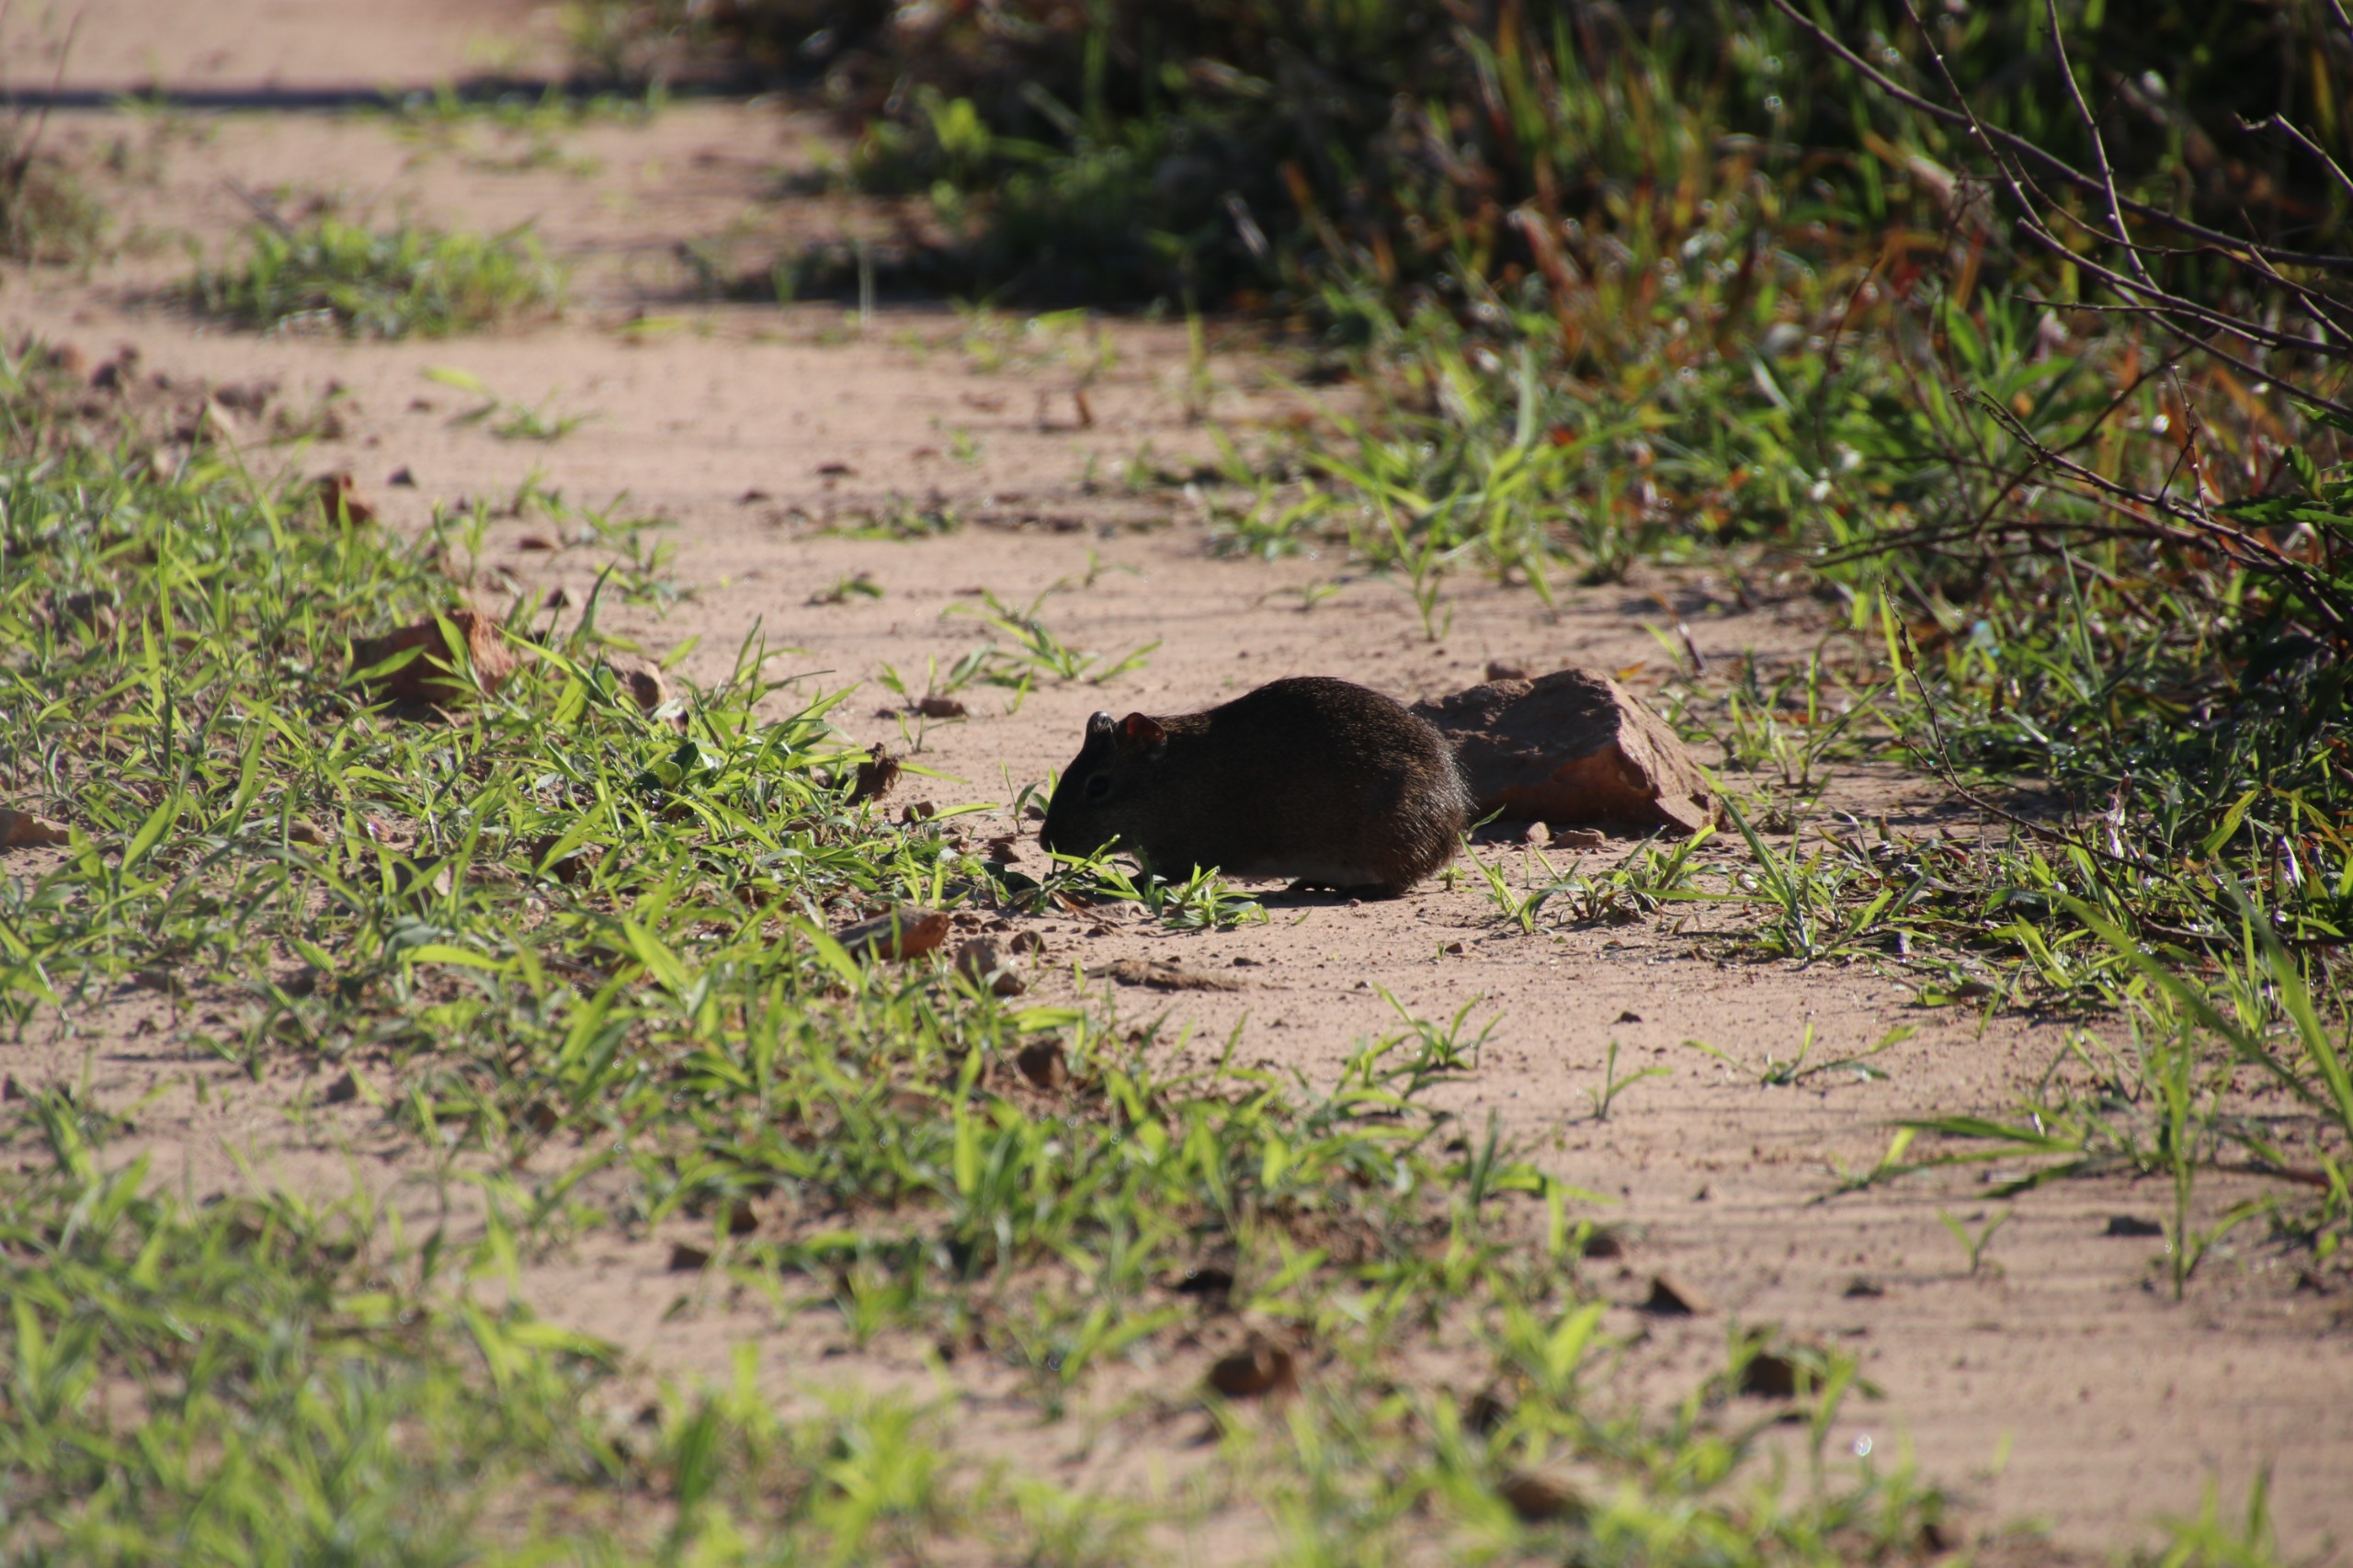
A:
x: 402, y: 282
x: 585, y: 962
x: 588, y: 965
x: 267, y: 1380
x: 514, y: 130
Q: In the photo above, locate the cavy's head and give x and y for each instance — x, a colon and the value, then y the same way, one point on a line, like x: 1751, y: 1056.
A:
x: 1111, y: 790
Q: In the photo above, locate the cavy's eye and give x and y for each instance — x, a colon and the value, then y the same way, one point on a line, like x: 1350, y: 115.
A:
x: 1099, y: 786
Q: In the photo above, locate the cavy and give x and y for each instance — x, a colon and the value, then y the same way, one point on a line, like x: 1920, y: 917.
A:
x: 1316, y: 779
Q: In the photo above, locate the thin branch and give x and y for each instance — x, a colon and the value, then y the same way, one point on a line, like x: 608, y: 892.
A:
x: 2100, y: 143
x: 24, y: 158
x: 2330, y: 602
x: 2279, y: 122
x: 2058, y: 166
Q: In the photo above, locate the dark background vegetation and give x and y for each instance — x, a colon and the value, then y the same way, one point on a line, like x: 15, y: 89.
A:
x: 1402, y: 135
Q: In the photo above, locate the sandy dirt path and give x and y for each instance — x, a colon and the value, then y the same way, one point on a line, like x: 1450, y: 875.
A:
x: 2060, y: 1385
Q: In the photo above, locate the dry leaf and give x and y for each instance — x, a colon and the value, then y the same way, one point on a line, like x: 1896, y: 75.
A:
x: 22, y: 830
x: 1260, y: 1367
x: 905, y: 933
x: 1769, y: 1375
x: 339, y: 498
x: 1671, y: 1297
x: 427, y: 678
x: 568, y: 867
x: 1042, y: 1063
x: 84, y: 609
x: 1212, y: 1281
x: 876, y: 774
x: 1487, y: 1410
x: 411, y: 880
x: 645, y: 686
x: 1550, y: 1492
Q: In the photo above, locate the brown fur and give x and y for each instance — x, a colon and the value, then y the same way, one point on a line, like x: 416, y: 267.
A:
x: 1311, y: 778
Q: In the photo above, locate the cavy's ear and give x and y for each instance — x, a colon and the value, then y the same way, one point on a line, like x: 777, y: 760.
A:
x: 1139, y: 730
x: 1101, y: 726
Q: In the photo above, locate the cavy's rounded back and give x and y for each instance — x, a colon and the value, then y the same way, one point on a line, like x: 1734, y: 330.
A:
x: 1317, y: 779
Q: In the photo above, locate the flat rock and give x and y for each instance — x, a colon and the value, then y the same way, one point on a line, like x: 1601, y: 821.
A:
x: 1573, y: 746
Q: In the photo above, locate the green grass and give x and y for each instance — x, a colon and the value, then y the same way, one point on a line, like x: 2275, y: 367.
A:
x: 260, y: 1382
x: 1673, y: 285
x: 507, y: 421
x: 514, y: 131
x: 403, y: 282
x: 583, y: 965
x: 1608, y: 315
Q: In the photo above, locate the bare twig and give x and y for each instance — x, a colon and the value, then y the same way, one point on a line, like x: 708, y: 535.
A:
x: 2051, y: 163
x: 24, y: 155
x: 2099, y: 146
x: 2281, y: 123
x: 2342, y: 19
